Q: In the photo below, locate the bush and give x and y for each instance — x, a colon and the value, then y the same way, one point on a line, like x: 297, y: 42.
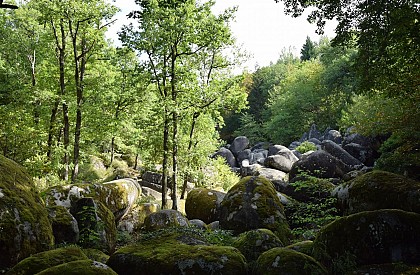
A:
x: 306, y: 146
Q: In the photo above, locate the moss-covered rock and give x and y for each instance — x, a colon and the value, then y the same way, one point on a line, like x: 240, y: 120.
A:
x: 371, y: 237
x: 134, y: 219
x: 282, y: 261
x: 305, y: 247
x: 118, y: 195
x: 64, y: 225
x: 170, y: 254
x: 379, y: 190
x: 96, y: 255
x: 96, y: 225
x: 165, y: 219
x: 253, y: 243
x: 252, y: 204
x: 44, y: 260
x: 24, y: 225
x: 204, y: 204
x: 85, y: 267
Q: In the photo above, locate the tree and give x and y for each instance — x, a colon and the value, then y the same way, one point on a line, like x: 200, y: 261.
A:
x: 308, y: 50
x: 171, y: 35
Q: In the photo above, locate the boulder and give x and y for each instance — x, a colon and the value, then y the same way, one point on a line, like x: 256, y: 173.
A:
x: 314, y: 141
x: 96, y: 224
x: 64, y: 225
x: 260, y: 145
x: 44, y: 260
x: 336, y: 151
x: 358, y: 139
x: 274, y: 149
x: 314, y: 132
x: 118, y: 195
x: 177, y: 254
x: 165, y: 219
x: 96, y: 255
x: 271, y: 174
x: 243, y: 155
x: 294, y: 145
x: 252, y: 204
x: 304, y: 247
x: 364, y: 154
x: 254, y: 242
x: 334, y: 136
x: 249, y: 169
x: 85, y: 267
x: 282, y: 161
x: 319, y: 164
x: 204, y: 204
x: 371, y: 237
x: 306, y: 188
x: 258, y: 156
x: 198, y: 224
x: 134, y: 220
x: 287, y: 262
x: 24, y: 225
x: 239, y: 144
x: 379, y: 190
x: 227, y: 155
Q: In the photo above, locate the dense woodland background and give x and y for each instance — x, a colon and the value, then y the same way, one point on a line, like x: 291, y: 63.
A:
x: 168, y: 98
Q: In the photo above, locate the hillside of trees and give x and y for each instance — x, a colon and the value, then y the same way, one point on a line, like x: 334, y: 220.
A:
x: 168, y: 98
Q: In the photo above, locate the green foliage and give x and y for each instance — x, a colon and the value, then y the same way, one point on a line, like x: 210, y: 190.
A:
x: 308, y: 51
x: 306, y: 146
x: 218, y: 175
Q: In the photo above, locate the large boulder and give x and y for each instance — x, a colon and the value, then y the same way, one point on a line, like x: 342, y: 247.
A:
x: 334, y: 136
x: 254, y: 242
x: 282, y: 161
x: 258, y: 156
x: 96, y: 224
x: 283, y: 261
x: 134, y: 220
x: 44, y: 260
x: 371, y: 237
x: 274, y: 149
x: 227, y: 155
x: 24, y: 225
x: 239, y: 144
x: 85, y: 267
x: 365, y: 154
x: 64, y: 225
x: 379, y: 190
x: 271, y: 174
x: 320, y: 164
x: 177, y: 254
x: 338, y: 152
x: 252, y: 204
x: 243, y: 155
x: 118, y: 195
x: 165, y: 219
x: 204, y: 204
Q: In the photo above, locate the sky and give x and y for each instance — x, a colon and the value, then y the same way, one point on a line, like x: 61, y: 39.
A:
x: 260, y: 27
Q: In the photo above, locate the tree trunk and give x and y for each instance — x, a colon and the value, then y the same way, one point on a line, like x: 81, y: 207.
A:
x: 174, y: 135
x: 190, y: 143
x: 165, y: 160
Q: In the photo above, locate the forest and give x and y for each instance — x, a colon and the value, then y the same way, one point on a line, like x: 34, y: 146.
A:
x: 88, y: 129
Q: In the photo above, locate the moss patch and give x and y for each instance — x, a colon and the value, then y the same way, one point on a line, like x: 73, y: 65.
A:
x: 169, y: 254
x: 305, y: 247
x: 286, y: 261
x: 204, y: 204
x: 44, y: 260
x: 85, y: 267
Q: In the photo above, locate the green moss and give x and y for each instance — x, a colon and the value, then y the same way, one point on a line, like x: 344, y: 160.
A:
x: 24, y: 225
x: 381, y: 236
x: 286, y: 261
x: 85, y: 267
x: 380, y: 190
x: 169, y: 254
x: 164, y: 219
x: 305, y: 247
x: 203, y: 204
x: 251, y: 204
x: 44, y: 260
x: 253, y: 243
x: 96, y: 255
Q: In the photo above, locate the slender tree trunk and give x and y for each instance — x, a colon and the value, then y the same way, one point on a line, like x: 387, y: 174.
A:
x: 174, y: 135
x: 190, y: 144
x: 165, y: 160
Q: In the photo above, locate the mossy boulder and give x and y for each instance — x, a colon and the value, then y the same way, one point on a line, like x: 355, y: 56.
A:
x: 64, y: 225
x: 44, y: 260
x: 283, y: 261
x: 177, y: 254
x: 305, y: 247
x: 379, y: 190
x: 134, y: 219
x: 165, y: 219
x: 118, y: 195
x: 24, y: 225
x: 371, y: 237
x: 254, y: 242
x: 96, y: 255
x: 96, y: 225
x: 204, y: 204
x: 253, y: 204
x: 85, y: 267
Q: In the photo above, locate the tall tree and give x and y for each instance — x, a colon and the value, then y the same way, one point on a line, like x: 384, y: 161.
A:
x: 171, y: 34
x: 308, y: 50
